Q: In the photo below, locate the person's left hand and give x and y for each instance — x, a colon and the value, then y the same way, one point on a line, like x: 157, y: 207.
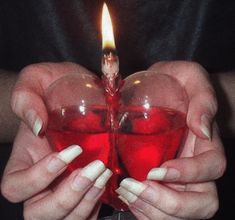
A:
x: 188, y: 190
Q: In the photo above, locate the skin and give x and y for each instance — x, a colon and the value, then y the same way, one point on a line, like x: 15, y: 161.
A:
x: 193, y: 194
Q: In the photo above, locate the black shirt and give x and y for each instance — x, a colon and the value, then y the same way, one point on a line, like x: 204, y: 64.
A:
x: 145, y: 32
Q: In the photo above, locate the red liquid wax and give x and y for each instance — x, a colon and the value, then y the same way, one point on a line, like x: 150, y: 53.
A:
x: 142, y: 139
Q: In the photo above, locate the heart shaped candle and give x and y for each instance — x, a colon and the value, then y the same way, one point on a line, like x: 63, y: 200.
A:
x: 132, y: 125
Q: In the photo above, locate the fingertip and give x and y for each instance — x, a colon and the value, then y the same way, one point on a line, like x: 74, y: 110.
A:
x: 164, y: 174
x: 30, y: 108
x: 60, y: 160
x: 205, y: 126
x: 157, y: 174
x: 34, y: 121
x: 70, y: 153
x: 201, y: 112
x: 200, y: 125
x: 103, y: 179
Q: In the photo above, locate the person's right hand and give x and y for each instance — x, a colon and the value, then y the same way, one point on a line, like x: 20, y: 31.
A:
x: 33, y: 166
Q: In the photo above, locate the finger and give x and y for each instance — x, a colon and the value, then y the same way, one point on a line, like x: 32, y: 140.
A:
x: 27, y: 97
x: 207, y: 162
x: 201, y: 113
x: 195, y: 205
x: 188, y: 170
x: 58, y: 204
x: 95, y: 211
x: 130, y: 199
x: 22, y: 184
x: 141, y: 208
x: 89, y: 201
x: 154, y: 214
x: 138, y: 214
x: 202, y: 100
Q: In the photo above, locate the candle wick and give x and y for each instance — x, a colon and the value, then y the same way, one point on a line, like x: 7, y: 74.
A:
x: 110, y: 69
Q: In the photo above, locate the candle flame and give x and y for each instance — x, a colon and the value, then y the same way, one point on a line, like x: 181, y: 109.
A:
x: 107, y: 29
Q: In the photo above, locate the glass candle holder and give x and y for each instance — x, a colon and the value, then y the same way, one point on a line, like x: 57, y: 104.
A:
x: 133, y: 131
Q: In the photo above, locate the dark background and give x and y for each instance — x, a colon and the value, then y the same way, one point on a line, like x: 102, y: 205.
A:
x: 37, y: 31
x: 225, y: 185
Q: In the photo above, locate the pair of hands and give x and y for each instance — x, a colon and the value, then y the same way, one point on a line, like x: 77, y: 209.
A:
x: 187, y: 192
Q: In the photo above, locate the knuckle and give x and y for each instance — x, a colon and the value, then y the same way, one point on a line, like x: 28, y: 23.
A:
x: 174, y: 208
x: 211, y: 97
x: 148, y: 209
x: 194, y: 172
x: 33, y: 180
x: 212, y: 208
x: 221, y: 168
x: 31, y: 73
x: 157, y: 65
x: 19, y: 98
x: 191, y: 66
x: 220, y: 163
x: 209, y: 100
x: 31, y: 69
x: 198, y: 68
x: 78, y: 215
x: 36, y: 180
x: 63, y: 205
x: 27, y: 213
x: 26, y: 73
x: 9, y: 192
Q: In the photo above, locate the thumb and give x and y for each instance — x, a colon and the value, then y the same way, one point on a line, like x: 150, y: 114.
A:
x: 27, y: 96
x: 30, y: 108
x: 202, y: 99
x: 201, y: 112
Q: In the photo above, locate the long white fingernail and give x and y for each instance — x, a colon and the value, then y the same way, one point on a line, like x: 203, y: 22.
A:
x: 129, y: 196
x: 63, y: 158
x: 124, y: 200
x: 70, y: 153
x: 99, y: 185
x: 133, y: 186
x: 34, y: 121
x: 37, y: 127
x: 93, y: 170
x: 205, y: 126
x: 167, y: 174
x: 103, y: 179
x: 157, y: 174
